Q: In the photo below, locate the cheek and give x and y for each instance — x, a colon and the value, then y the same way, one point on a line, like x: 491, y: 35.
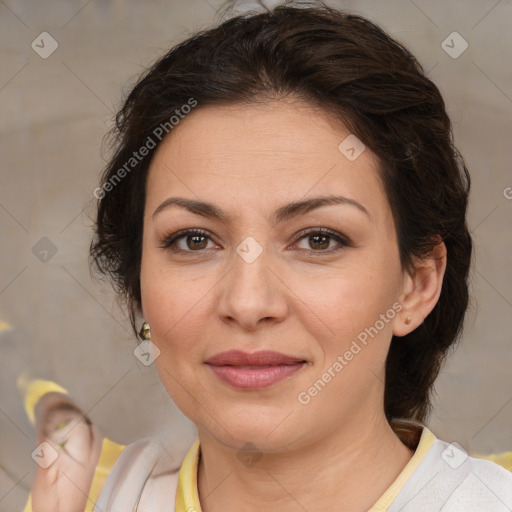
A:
x: 175, y: 313
x: 173, y: 303
x: 350, y: 298
x: 163, y: 291
x: 354, y: 309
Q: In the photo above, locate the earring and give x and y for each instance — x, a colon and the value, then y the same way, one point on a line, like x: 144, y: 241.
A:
x: 408, y: 320
x: 145, y: 332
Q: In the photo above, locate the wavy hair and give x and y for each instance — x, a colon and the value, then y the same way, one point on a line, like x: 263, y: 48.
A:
x: 348, y: 67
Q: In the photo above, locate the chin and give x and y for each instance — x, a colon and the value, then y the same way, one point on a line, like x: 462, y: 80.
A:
x: 255, y: 440
x: 270, y: 430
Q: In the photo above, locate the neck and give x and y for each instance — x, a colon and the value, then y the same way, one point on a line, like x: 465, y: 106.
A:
x: 332, y: 474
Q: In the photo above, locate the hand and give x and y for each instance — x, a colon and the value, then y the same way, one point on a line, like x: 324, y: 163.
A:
x: 64, y: 485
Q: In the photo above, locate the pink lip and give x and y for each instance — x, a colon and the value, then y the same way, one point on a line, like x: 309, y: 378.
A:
x: 253, y: 371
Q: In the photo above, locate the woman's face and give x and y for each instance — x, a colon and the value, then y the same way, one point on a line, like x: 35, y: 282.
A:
x: 261, y: 277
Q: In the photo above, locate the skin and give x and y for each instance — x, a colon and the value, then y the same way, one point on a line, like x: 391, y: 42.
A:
x: 294, y: 298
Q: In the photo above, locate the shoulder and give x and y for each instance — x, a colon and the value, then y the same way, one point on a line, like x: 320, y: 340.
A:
x: 485, y: 486
x: 448, y: 479
x: 143, y: 479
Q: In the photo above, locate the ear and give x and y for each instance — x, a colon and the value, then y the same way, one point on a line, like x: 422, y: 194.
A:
x: 421, y: 290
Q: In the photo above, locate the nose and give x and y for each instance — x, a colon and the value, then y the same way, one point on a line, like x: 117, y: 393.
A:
x: 253, y: 293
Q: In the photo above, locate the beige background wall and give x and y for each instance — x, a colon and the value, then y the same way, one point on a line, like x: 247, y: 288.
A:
x: 54, y: 113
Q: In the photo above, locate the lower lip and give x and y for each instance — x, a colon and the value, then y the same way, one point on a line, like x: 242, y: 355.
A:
x: 255, y: 378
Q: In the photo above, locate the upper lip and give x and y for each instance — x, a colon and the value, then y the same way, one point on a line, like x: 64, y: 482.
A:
x: 261, y: 358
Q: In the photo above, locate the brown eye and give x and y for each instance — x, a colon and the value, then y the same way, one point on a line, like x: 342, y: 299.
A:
x: 196, y: 242
x: 189, y: 240
x: 320, y: 240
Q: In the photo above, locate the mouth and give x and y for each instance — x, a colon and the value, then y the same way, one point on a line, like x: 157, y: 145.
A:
x: 253, y: 371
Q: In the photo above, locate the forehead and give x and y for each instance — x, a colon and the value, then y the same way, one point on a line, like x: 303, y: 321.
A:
x: 253, y: 154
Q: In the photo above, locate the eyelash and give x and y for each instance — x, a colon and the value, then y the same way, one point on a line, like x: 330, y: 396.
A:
x: 170, y: 241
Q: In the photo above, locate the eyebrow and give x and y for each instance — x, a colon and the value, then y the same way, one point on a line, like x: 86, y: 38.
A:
x: 283, y: 213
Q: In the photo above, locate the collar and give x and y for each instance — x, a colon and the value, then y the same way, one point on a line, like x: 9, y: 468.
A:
x: 187, y: 497
x: 415, y: 435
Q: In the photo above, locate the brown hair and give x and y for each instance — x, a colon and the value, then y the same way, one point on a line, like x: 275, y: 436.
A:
x: 350, y: 68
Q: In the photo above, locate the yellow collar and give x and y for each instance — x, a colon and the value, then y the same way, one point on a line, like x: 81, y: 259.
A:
x: 408, y: 433
x: 416, y: 436
x: 187, y: 497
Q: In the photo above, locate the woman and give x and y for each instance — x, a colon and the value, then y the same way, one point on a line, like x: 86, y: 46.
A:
x: 286, y: 213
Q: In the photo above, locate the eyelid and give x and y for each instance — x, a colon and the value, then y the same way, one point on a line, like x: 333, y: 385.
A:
x: 182, y: 233
x: 340, y: 237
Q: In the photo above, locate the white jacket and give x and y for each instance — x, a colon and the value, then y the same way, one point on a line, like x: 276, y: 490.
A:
x: 440, y: 477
